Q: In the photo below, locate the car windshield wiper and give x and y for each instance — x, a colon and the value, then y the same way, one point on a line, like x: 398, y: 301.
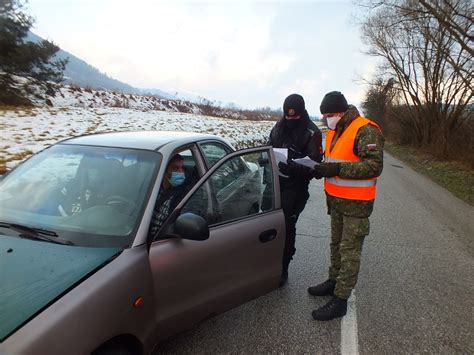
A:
x: 36, y: 233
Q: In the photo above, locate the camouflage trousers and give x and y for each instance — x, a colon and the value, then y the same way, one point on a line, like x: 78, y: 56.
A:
x: 347, y: 238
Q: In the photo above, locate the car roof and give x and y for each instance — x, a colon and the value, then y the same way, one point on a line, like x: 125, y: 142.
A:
x: 149, y: 140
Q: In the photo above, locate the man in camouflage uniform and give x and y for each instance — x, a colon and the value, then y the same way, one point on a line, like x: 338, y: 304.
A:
x: 349, y: 214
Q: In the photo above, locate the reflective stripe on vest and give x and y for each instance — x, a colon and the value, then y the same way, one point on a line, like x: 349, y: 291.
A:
x: 352, y: 182
x: 343, y: 152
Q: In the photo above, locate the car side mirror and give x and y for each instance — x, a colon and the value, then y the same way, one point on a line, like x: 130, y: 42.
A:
x: 191, y: 226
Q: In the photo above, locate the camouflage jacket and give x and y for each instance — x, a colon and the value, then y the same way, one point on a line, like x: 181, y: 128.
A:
x: 369, y: 147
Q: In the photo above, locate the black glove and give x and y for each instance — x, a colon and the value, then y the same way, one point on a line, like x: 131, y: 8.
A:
x: 284, y: 168
x: 294, y: 169
x: 326, y: 170
x: 293, y: 153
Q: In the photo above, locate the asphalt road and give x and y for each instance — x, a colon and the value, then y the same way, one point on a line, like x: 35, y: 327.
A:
x: 415, y: 292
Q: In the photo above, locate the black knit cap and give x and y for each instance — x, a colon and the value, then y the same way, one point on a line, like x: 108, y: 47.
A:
x: 293, y: 105
x: 333, y: 102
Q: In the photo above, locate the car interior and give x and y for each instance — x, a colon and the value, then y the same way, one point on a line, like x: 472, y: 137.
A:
x: 99, y: 181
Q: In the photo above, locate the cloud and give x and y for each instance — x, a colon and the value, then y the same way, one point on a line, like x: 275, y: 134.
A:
x: 251, y: 53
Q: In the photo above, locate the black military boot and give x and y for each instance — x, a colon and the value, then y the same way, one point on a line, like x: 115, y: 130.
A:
x: 324, y: 289
x: 283, y: 277
x: 284, y: 273
x: 335, y: 308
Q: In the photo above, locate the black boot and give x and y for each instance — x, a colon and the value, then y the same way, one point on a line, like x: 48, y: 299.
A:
x: 284, y: 272
x: 324, y: 289
x: 335, y: 308
x: 283, y: 277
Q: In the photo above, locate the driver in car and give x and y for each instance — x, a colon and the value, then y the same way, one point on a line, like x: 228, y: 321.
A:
x: 172, y: 191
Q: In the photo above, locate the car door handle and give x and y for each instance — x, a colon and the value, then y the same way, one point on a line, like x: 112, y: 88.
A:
x: 268, y: 235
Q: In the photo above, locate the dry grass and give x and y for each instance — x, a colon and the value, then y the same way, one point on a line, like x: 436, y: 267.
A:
x: 14, y: 157
x: 457, y: 177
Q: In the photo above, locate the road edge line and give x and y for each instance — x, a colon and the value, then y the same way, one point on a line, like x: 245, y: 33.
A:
x: 349, y: 333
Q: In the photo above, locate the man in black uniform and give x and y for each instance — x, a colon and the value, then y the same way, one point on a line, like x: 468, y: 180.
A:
x: 296, y: 132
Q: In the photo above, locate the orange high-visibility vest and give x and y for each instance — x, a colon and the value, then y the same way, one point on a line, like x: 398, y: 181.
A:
x: 343, y: 151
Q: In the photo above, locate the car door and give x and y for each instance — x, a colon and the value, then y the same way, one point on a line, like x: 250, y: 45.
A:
x: 242, y: 257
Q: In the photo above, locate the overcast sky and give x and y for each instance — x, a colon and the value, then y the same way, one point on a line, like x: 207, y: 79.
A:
x: 251, y: 53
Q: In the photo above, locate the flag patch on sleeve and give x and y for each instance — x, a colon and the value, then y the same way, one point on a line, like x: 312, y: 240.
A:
x: 371, y: 147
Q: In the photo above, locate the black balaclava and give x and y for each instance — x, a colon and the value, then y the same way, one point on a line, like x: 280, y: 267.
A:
x: 293, y: 106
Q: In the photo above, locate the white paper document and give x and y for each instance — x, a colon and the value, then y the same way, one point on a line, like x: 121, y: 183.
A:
x: 306, y: 161
x: 281, y: 155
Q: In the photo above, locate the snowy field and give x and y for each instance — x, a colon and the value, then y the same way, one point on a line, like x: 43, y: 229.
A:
x: 27, y: 131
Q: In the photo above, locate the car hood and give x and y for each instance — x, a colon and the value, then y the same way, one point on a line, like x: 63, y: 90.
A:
x: 33, y: 274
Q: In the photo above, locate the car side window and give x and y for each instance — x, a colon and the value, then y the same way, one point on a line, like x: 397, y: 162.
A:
x: 190, y: 167
x: 228, y: 173
x: 213, y: 152
x: 241, y: 187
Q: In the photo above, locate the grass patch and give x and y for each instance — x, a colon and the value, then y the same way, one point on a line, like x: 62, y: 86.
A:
x: 22, y: 111
x: 3, y: 166
x: 456, y: 177
x: 14, y: 108
x: 17, y: 156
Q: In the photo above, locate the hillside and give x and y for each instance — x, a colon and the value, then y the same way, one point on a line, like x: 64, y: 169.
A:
x: 75, y: 96
x: 80, y: 73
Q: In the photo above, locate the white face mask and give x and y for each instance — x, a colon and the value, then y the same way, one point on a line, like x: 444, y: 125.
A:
x: 332, y: 121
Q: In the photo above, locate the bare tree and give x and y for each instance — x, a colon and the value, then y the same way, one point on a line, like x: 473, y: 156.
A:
x: 431, y: 62
x: 377, y: 101
x: 456, y: 17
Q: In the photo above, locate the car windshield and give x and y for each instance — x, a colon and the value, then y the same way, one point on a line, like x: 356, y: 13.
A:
x: 90, y: 196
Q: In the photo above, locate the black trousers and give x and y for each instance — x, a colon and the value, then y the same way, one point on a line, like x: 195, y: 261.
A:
x: 294, y: 195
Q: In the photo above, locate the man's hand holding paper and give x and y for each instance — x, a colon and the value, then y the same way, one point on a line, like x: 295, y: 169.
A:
x: 302, y: 167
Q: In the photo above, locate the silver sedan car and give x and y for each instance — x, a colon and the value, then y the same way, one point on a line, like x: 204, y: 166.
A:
x: 80, y: 271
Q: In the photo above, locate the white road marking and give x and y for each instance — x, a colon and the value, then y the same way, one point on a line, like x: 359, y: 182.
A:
x: 349, y: 335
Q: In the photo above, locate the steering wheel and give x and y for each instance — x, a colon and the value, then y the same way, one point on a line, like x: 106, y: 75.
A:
x: 117, y: 200
x: 69, y: 202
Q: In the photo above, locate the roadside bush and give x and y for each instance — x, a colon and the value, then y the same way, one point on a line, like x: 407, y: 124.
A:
x: 459, y: 143
x: 463, y: 144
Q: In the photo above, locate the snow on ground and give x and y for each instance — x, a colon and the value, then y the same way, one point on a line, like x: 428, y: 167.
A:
x: 27, y: 131
x: 73, y: 96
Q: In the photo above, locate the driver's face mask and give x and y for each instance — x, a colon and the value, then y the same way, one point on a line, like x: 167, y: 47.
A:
x: 177, y: 178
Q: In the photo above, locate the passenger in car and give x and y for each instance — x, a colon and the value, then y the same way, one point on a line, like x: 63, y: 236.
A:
x: 296, y: 132
x: 174, y: 187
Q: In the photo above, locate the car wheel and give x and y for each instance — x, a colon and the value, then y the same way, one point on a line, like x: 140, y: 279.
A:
x: 117, y: 348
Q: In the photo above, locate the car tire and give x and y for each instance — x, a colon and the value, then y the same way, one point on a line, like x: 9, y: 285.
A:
x: 117, y: 348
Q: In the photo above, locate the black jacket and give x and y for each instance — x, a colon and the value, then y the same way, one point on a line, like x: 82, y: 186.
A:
x: 301, y: 141
x: 304, y: 140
